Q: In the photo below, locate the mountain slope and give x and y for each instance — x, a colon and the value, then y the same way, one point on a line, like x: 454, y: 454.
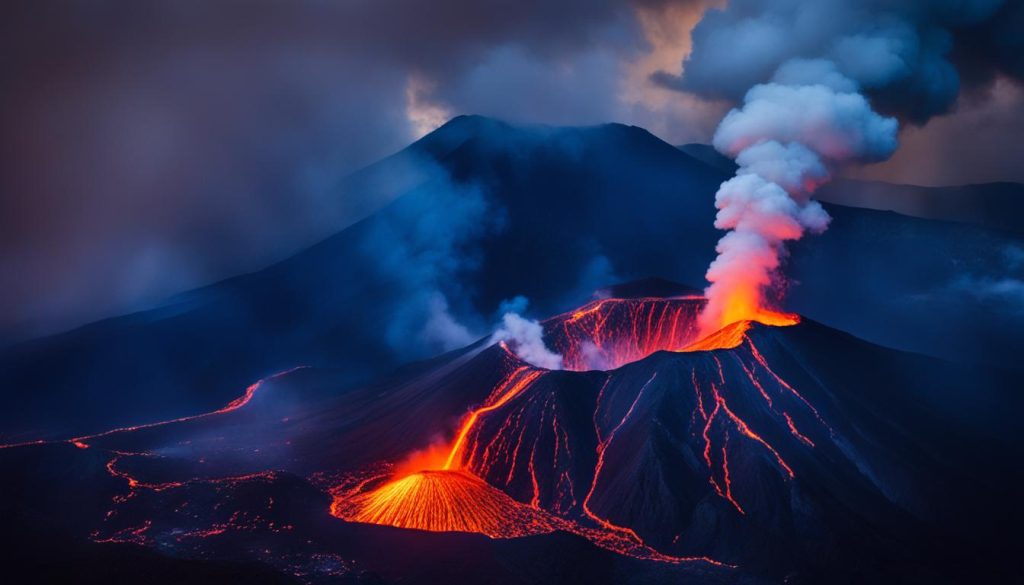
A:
x: 784, y: 453
x: 549, y: 213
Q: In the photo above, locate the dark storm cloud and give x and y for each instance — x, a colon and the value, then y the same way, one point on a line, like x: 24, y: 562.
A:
x: 913, y: 58
x: 148, y: 147
x: 153, y: 146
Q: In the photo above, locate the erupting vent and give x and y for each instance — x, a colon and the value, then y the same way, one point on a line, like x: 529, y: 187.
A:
x: 610, y: 333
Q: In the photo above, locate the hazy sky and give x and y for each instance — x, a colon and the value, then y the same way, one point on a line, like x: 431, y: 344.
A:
x: 149, y: 147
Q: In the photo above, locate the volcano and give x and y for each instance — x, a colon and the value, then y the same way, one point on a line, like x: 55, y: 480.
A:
x: 279, y: 427
x: 763, y: 452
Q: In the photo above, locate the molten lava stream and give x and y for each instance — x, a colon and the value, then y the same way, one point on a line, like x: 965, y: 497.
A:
x: 609, y: 333
x: 442, y: 490
x: 442, y: 494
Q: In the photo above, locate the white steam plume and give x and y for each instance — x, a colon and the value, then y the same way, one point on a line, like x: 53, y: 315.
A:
x: 526, y: 338
x: 804, y: 70
x: 788, y: 137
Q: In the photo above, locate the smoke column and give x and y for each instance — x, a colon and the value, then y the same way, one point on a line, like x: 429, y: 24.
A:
x: 807, y: 76
x: 787, y: 138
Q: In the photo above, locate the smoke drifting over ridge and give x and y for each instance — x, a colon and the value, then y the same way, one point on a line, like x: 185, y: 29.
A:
x: 811, y: 75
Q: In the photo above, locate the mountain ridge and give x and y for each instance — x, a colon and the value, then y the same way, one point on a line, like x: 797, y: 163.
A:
x: 572, y: 208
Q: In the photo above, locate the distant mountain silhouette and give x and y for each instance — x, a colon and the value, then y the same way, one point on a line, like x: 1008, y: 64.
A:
x: 997, y: 206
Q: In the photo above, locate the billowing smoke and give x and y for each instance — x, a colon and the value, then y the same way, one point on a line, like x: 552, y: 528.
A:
x: 809, y: 73
x: 526, y: 338
x: 424, y: 246
x: 787, y: 138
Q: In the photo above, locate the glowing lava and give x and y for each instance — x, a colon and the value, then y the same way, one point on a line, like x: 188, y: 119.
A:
x: 444, y: 501
x: 513, y: 385
x: 610, y: 333
x: 439, y: 496
x: 738, y: 299
x: 477, y: 482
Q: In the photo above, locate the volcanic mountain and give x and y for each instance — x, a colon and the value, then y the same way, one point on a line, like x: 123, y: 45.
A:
x: 762, y: 453
x: 474, y: 214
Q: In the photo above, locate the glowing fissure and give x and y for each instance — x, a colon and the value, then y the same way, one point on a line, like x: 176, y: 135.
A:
x: 456, y: 499
x: 450, y: 497
x: 137, y: 534
x: 609, y: 333
x: 722, y: 411
x: 745, y: 429
x: 497, y: 446
x: 764, y: 364
x: 83, y: 441
x: 796, y: 433
x: 602, y: 447
x: 760, y: 360
x: 513, y: 385
x: 725, y: 475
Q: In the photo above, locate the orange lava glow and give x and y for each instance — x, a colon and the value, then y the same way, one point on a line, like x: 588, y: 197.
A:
x: 245, y: 398
x: 465, y: 485
x: 444, y: 501
x: 138, y: 534
x: 609, y: 333
x: 727, y: 337
x: 602, y: 447
x: 743, y: 303
x: 431, y: 490
x: 513, y: 385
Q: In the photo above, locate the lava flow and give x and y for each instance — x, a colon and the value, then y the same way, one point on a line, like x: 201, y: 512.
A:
x: 444, y: 501
x: 510, y: 469
x: 609, y: 333
x: 438, y: 495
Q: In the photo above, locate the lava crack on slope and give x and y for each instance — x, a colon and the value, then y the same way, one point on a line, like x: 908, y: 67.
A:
x: 499, y: 446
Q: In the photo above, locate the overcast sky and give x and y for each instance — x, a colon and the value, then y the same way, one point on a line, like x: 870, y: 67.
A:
x: 152, y: 146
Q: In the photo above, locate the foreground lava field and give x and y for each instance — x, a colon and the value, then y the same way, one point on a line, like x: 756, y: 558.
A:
x: 760, y: 453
